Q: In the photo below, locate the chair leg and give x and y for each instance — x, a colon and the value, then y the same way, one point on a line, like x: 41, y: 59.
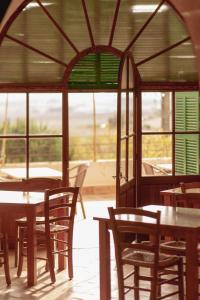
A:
x: 180, y: 280
x: 20, y: 254
x: 136, y: 283
x: 82, y: 205
x: 70, y: 259
x: 6, y: 260
x: 16, y: 244
x: 154, y: 285
x: 120, y: 279
x: 50, y: 260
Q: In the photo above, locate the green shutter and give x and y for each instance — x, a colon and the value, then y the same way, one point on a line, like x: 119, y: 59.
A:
x: 187, y: 111
x: 187, y: 118
x: 187, y: 154
x: 97, y: 71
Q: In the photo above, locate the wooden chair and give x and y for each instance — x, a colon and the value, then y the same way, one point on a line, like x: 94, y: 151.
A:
x: 77, y: 176
x: 35, y: 184
x: 151, y: 170
x: 4, y: 256
x: 178, y: 247
x: 146, y: 255
x: 60, y: 207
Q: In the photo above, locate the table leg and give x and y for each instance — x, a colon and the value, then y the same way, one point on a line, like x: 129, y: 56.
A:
x: 191, y: 265
x: 104, y: 254
x: 31, y: 247
x: 167, y: 200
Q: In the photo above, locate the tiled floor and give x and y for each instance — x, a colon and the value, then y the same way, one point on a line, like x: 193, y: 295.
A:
x: 85, y: 285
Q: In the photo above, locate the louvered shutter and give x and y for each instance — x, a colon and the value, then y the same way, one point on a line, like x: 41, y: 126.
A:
x: 187, y: 145
x: 97, y: 71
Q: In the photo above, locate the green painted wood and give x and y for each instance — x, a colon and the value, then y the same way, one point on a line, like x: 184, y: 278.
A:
x: 96, y: 70
x: 187, y: 117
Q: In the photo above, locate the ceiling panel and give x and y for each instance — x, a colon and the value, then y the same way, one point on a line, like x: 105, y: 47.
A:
x: 60, y: 31
x: 21, y: 65
x: 35, y: 28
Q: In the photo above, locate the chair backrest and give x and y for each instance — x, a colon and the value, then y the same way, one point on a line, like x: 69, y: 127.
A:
x: 39, y: 184
x: 79, y: 172
x: 190, y: 200
x: 148, y: 169
x: 189, y: 185
x: 60, y: 207
x: 138, y: 222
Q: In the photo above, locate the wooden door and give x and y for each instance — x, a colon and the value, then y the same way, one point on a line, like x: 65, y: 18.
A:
x: 126, y: 134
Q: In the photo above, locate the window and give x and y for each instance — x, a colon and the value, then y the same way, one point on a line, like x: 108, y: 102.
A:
x: 156, y: 133
x: 164, y: 143
x: 30, y: 134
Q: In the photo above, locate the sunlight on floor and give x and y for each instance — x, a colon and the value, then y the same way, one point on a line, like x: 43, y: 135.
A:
x: 85, y: 284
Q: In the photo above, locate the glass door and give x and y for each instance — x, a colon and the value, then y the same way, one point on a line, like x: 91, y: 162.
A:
x: 126, y: 134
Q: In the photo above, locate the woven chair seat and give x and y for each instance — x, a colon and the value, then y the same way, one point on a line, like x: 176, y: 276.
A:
x: 23, y: 221
x: 174, y: 244
x: 176, y: 247
x: 146, y: 259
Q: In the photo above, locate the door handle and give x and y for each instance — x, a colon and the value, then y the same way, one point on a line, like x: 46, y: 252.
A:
x: 120, y: 177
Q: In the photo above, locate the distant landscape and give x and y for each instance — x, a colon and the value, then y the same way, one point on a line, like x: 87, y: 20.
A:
x: 46, y: 109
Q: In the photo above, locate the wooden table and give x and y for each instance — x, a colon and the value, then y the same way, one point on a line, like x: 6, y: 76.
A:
x: 181, y: 222
x: 168, y: 195
x: 28, y: 204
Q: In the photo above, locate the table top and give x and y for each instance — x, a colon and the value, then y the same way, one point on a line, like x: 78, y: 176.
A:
x: 33, y: 172
x: 21, y: 198
x: 176, y: 217
x: 177, y: 190
x: 165, y: 166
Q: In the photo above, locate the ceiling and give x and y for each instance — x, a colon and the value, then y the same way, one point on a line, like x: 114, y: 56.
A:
x: 50, y: 38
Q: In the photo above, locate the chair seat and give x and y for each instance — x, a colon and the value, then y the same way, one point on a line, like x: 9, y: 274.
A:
x: 54, y: 228
x: 23, y: 221
x: 176, y: 246
x: 146, y: 259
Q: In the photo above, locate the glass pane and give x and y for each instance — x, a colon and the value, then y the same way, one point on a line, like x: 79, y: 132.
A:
x: 101, y: 18
x: 156, y: 155
x: 156, y: 112
x: 130, y: 21
x: 22, y: 65
x: 70, y: 17
x: 45, y: 113
x: 123, y: 162
x: 12, y: 113
x: 45, y: 157
x: 12, y: 159
x: 92, y: 126
x: 80, y: 125
x: 167, y: 69
x: 33, y: 27
x: 187, y: 154
x: 123, y: 114
x: 165, y: 29
x: 130, y: 160
x: 131, y: 113
x: 106, y: 111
